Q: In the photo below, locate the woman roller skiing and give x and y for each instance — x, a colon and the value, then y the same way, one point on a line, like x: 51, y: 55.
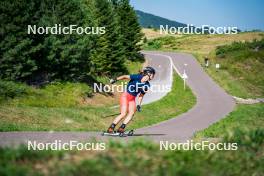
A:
x: 138, y: 85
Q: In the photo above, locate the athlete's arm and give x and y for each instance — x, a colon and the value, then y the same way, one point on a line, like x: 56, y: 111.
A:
x: 112, y: 81
x: 140, y: 98
x: 123, y: 77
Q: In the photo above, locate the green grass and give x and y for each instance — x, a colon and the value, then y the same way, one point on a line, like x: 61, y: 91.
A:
x: 140, y: 158
x: 241, y: 66
x: 54, y: 95
x: 244, y: 117
x: 245, y: 64
x: 234, y: 85
x: 26, y: 118
x: 22, y: 115
x: 202, y: 44
x: 133, y: 67
x: 240, y: 74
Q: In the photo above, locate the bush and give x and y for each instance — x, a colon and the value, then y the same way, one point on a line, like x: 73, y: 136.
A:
x: 154, y: 44
x: 9, y: 89
x: 157, y: 43
x: 221, y: 51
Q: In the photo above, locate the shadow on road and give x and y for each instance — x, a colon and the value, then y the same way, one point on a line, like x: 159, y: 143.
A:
x: 149, y: 134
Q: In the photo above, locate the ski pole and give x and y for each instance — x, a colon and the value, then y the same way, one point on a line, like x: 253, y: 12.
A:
x: 110, y: 115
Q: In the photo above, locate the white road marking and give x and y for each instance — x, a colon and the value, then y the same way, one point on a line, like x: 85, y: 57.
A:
x: 172, y: 64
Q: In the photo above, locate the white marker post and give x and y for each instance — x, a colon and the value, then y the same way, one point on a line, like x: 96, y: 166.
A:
x: 184, y: 77
x: 217, y: 66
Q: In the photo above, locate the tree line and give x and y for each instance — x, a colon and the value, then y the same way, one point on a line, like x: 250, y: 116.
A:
x: 37, y: 57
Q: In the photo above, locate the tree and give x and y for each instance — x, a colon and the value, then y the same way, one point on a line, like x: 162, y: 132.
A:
x: 40, y: 57
x: 17, y: 49
x: 109, y: 53
x: 130, y: 28
x: 33, y: 57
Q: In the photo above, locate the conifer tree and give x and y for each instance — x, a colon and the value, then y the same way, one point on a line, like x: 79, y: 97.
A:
x: 30, y: 57
x: 109, y: 54
x: 130, y: 28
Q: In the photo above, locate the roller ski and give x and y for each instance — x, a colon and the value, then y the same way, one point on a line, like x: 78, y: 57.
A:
x: 118, y: 134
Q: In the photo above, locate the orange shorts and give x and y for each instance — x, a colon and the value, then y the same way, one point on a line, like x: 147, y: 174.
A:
x: 127, y: 102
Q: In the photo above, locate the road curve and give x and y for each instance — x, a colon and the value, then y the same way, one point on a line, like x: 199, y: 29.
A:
x: 163, y: 77
x: 213, y: 103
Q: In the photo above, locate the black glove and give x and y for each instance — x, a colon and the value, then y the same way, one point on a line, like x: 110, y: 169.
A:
x: 138, y: 108
x: 113, y: 81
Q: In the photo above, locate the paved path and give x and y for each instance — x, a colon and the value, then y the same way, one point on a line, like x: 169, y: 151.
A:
x: 213, y: 103
x: 163, y: 77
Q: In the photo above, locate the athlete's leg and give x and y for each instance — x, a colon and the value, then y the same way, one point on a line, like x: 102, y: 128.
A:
x: 131, y: 111
x: 123, y: 111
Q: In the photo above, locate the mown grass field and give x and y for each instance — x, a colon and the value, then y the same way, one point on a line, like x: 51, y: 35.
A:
x: 65, y: 107
x: 140, y: 158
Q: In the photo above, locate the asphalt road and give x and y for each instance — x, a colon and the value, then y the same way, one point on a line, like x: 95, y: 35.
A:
x: 163, y: 77
x: 213, y: 103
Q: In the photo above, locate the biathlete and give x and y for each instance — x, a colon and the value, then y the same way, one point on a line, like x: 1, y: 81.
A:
x: 138, y: 85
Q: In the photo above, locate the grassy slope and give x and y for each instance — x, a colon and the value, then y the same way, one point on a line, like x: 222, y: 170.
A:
x: 30, y: 114
x: 244, y: 117
x: 204, y: 45
x: 140, y: 158
x: 57, y: 106
x: 240, y: 74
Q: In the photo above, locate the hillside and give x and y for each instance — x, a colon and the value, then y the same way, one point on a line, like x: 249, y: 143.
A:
x: 147, y: 20
x: 241, y: 67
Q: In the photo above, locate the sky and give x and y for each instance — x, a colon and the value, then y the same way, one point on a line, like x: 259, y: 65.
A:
x: 244, y: 14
